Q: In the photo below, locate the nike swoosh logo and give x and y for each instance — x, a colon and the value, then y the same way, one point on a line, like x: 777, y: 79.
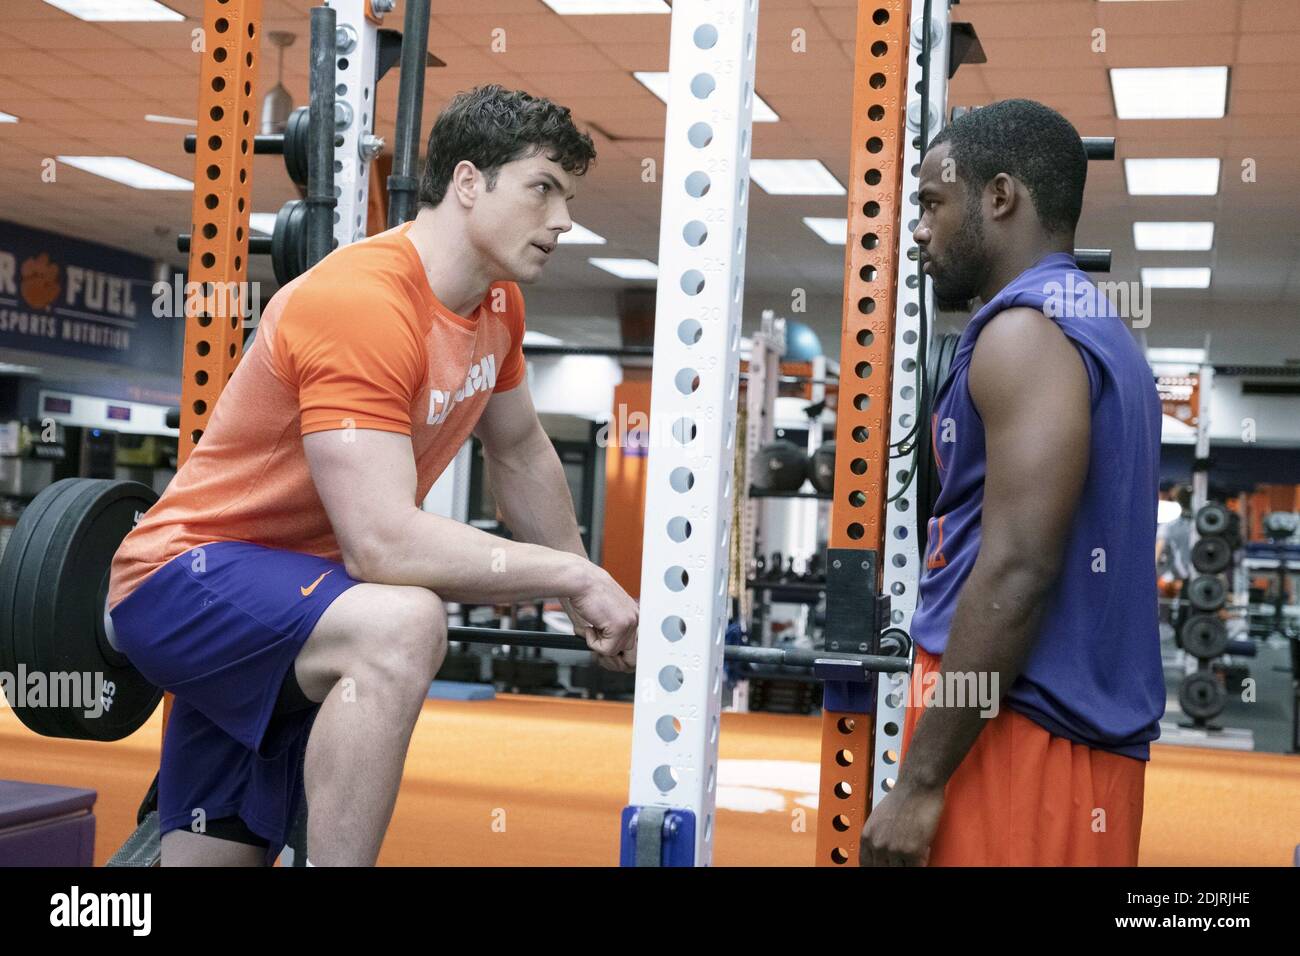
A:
x: 306, y: 592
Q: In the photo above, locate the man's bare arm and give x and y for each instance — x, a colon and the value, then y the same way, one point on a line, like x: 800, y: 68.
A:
x: 525, y: 474
x: 366, y: 480
x: 532, y: 493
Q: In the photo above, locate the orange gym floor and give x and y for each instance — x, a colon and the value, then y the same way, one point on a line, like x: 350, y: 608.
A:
x: 541, y: 781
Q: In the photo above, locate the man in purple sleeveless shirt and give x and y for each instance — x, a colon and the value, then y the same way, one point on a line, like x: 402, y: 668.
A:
x: 1039, y: 578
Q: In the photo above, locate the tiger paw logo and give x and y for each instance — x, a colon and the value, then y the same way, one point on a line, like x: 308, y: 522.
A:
x: 40, y: 284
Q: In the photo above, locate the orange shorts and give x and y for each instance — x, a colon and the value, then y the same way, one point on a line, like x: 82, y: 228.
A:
x: 1023, y: 797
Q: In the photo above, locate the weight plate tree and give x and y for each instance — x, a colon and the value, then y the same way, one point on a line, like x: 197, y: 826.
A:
x: 1204, y: 634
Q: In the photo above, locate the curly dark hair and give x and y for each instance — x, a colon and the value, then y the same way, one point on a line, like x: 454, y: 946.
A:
x: 491, y: 126
x: 1029, y: 142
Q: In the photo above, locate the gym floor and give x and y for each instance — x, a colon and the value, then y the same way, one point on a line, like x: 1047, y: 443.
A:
x: 539, y: 781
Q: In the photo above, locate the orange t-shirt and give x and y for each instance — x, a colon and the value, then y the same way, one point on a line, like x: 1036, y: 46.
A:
x: 359, y: 341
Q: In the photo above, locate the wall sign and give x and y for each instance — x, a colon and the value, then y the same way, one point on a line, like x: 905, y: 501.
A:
x: 64, y: 296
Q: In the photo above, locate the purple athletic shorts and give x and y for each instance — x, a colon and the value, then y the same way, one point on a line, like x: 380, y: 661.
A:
x: 219, y: 627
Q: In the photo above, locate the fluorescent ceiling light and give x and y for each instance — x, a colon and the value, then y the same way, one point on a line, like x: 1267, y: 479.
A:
x: 794, y: 177
x: 7, y: 117
x: 657, y: 83
x: 582, y: 8
x: 533, y: 337
x: 170, y: 120
x: 127, y: 171
x: 263, y: 222
x: 1173, y: 236
x: 1170, y: 92
x: 1176, y: 356
x: 121, y: 10
x: 628, y: 268
x: 581, y: 236
x: 1194, y: 278
x: 834, y: 231
x: 1172, y: 177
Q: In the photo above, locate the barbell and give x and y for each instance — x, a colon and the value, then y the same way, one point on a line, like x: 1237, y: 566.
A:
x: 63, y: 675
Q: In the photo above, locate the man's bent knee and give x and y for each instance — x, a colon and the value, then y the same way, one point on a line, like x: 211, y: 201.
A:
x: 398, y: 631
x: 413, y: 643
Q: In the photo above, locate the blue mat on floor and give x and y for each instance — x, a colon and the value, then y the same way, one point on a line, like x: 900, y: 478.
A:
x: 460, y: 690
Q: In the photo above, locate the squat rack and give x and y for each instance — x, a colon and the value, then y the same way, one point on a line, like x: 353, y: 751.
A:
x: 672, y: 794
x: 871, y: 575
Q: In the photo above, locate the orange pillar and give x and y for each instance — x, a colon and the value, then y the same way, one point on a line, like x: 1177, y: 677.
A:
x: 866, y: 370
x: 223, y: 185
x: 625, y: 476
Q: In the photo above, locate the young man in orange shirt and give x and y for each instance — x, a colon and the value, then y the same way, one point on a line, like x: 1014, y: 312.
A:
x: 287, y: 588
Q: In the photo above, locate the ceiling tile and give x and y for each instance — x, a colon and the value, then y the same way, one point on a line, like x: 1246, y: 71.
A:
x: 490, y: 32
x: 1271, y: 48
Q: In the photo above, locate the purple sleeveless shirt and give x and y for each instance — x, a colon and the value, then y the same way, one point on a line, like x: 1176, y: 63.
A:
x: 1094, y: 674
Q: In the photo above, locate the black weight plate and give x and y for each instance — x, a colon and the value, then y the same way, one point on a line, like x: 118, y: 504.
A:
x: 1212, y: 519
x: 289, y: 242
x: 25, y: 548
x: 1204, y: 636
x: 1211, y: 555
x: 296, y: 144
x: 1206, y: 592
x: 938, y: 364
x: 27, y: 584
x: 821, y: 468
x: 1200, y: 696
x: 779, y: 466
x: 1233, y: 534
x: 895, y: 642
x: 82, y: 551
x: 59, y: 605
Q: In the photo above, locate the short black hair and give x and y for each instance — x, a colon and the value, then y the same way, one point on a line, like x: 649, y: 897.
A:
x: 491, y: 126
x: 1030, y: 142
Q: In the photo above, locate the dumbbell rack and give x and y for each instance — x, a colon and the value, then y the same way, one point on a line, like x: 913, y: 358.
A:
x: 754, y: 690
x: 1277, y: 616
x: 770, y: 691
